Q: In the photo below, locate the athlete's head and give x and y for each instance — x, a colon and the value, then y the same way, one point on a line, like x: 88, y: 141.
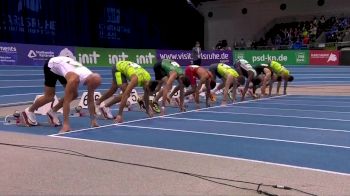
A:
x: 279, y: 78
x: 185, y: 80
x: 93, y: 80
x: 290, y: 78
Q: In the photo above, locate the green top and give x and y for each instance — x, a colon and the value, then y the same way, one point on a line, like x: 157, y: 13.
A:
x: 129, y: 68
x: 170, y: 65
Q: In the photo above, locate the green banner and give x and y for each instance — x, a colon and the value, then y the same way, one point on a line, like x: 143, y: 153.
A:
x: 110, y: 56
x: 286, y: 57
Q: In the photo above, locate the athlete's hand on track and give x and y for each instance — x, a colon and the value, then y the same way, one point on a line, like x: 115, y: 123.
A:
x: 118, y: 119
x: 198, y: 106
x: 183, y: 109
x: 150, y: 113
x: 94, y: 123
x: 162, y: 111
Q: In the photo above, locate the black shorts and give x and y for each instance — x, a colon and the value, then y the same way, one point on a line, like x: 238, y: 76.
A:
x: 259, y: 70
x: 51, y: 78
x: 245, y: 73
x: 213, y: 68
x: 158, y: 71
x: 118, y: 77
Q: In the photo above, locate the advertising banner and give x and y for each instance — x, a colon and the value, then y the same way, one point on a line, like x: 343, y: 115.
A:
x: 38, y: 54
x: 110, y: 56
x: 324, y: 57
x: 184, y: 57
x: 8, y: 54
x: 28, y: 54
x: 286, y: 57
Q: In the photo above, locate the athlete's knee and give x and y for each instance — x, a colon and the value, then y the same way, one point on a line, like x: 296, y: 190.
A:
x: 74, y: 80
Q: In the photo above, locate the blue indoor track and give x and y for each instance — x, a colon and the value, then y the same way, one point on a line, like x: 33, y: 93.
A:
x: 311, y: 132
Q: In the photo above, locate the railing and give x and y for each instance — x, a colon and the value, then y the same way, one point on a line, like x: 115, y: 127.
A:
x: 273, y: 47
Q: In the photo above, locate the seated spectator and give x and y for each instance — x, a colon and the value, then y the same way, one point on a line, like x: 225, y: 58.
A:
x: 242, y: 43
x: 277, y: 41
x: 313, y: 32
x: 306, y: 40
x: 297, y: 45
x: 315, y: 21
x: 254, y: 45
x: 218, y: 45
x: 305, y: 32
x: 224, y: 45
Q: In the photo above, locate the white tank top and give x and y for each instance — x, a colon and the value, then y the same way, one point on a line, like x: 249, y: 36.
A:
x: 61, y: 65
x: 246, y: 66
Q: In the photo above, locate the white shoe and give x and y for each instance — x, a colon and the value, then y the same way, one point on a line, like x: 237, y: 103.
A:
x: 29, y: 117
x: 54, y: 120
x: 106, y: 112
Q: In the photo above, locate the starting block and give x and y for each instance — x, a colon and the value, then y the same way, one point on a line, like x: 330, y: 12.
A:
x: 78, y: 111
x: 133, y: 98
x: 12, y: 119
x: 83, y: 103
x: 15, y: 119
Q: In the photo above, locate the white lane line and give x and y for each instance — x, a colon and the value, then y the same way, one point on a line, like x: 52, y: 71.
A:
x: 201, y: 154
x: 307, y: 101
x: 282, y: 116
x: 144, y: 119
x: 235, y: 136
x: 259, y: 124
x: 316, y: 105
x: 302, y: 110
x: 313, y: 98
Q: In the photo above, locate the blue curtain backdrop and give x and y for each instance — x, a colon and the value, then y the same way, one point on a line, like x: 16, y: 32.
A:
x: 170, y: 24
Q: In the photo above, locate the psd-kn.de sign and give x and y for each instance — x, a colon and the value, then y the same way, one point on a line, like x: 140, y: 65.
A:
x: 324, y: 57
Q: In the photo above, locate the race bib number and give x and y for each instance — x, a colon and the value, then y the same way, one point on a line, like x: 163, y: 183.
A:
x: 134, y: 65
x: 84, y: 99
x: 175, y: 64
x: 75, y: 63
x: 132, y: 99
